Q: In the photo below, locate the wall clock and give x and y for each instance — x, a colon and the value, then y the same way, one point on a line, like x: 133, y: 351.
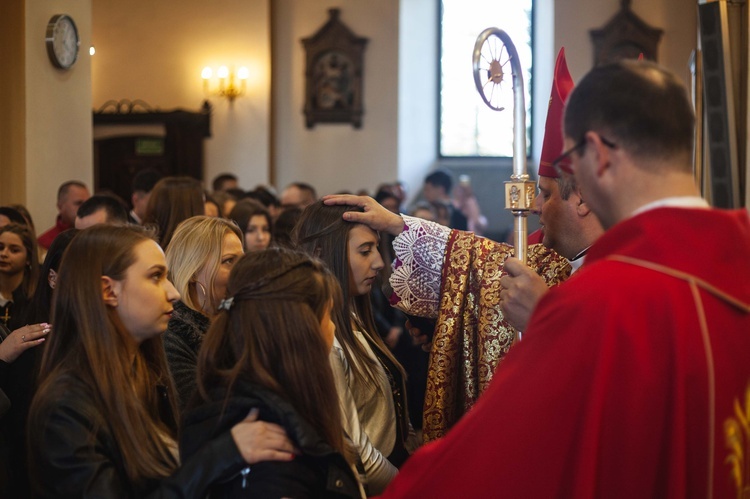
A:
x: 62, y: 41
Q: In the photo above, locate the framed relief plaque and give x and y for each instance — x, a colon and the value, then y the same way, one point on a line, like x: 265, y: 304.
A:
x: 625, y: 36
x: 333, y: 74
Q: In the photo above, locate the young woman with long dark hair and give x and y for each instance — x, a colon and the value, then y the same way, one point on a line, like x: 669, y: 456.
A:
x: 370, y: 381
x: 267, y: 352
x: 19, y: 271
x: 103, y: 420
x: 255, y: 222
x: 172, y: 200
x: 19, y: 366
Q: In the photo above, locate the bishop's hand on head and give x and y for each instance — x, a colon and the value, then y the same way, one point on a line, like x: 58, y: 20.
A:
x: 375, y: 216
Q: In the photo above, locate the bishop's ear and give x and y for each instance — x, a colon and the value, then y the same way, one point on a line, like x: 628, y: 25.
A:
x: 582, y: 208
x: 110, y: 289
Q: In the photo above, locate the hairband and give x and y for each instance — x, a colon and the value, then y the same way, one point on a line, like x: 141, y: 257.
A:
x: 264, y: 281
x: 249, y: 290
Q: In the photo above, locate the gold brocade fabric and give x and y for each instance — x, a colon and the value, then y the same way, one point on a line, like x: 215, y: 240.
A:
x: 471, y: 336
x: 737, y: 433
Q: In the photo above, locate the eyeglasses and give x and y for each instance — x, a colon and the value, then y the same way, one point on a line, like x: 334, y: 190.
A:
x: 566, y: 168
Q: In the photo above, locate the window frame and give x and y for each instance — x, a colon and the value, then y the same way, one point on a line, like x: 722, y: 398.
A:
x: 474, y: 160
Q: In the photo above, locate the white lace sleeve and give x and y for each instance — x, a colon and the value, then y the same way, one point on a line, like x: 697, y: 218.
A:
x: 420, y: 251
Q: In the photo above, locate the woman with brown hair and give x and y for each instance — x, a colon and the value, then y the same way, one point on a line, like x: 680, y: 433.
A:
x: 19, y: 271
x: 102, y: 423
x: 370, y: 381
x: 173, y: 200
x: 255, y: 222
x: 267, y: 353
x: 19, y: 366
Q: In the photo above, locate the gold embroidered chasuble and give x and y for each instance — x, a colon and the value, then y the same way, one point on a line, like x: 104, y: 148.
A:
x: 471, y: 336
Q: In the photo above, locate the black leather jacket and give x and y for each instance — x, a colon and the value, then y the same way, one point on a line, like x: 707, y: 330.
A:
x: 68, y: 460
x: 319, y: 472
x: 182, y: 341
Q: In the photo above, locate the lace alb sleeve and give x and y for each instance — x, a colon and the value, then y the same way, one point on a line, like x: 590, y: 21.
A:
x: 420, y: 251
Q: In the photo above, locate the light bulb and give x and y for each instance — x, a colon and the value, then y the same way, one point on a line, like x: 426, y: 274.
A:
x: 243, y: 73
x: 206, y: 73
x: 223, y: 72
x: 92, y: 50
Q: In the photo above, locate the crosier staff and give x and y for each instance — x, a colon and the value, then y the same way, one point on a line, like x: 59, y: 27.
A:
x: 489, y: 72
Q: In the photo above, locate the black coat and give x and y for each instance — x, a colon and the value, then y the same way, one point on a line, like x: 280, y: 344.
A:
x: 16, y: 310
x: 182, y: 341
x: 18, y: 382
x: 73, y: 453
x: 319, y: 472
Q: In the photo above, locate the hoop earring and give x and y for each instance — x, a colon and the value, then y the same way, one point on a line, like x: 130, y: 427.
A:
x: 205, y: 294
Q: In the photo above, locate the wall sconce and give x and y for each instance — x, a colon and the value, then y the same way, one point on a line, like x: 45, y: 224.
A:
x: 226, y: 85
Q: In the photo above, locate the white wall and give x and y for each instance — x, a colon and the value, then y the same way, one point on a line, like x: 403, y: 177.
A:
x: 155, y: 51
x: 418, y: 92
x: 545, y: 54
x: 57, y: 111
x: 334, y: 157
x: 678, y: 19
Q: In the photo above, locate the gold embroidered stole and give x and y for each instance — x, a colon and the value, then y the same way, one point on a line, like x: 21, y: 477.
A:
x: 471, y: 335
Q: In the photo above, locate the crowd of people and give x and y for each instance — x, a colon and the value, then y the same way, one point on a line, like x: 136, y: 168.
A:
x: 243, y: 343
x: 164, y: 270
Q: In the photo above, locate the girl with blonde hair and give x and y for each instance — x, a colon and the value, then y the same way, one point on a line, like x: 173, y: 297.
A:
x: 201, y: 255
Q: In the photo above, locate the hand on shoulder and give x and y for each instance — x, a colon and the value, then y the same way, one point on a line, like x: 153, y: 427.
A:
x: 261, y: 441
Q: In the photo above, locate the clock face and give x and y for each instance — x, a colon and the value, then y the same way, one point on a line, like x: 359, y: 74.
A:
x: 62, y: 41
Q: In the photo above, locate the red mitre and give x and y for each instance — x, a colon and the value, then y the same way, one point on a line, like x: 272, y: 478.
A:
x: 552, y: 147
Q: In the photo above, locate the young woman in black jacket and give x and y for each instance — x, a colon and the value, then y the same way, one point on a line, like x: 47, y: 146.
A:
x: 19, y: 368
x: 267, y: 353
x: 102, y: 423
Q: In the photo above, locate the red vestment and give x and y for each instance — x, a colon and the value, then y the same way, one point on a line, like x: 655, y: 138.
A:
x: 633, y: 378
x: 45, y: 240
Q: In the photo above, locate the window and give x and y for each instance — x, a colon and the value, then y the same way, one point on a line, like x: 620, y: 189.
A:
x: 468, y: 127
